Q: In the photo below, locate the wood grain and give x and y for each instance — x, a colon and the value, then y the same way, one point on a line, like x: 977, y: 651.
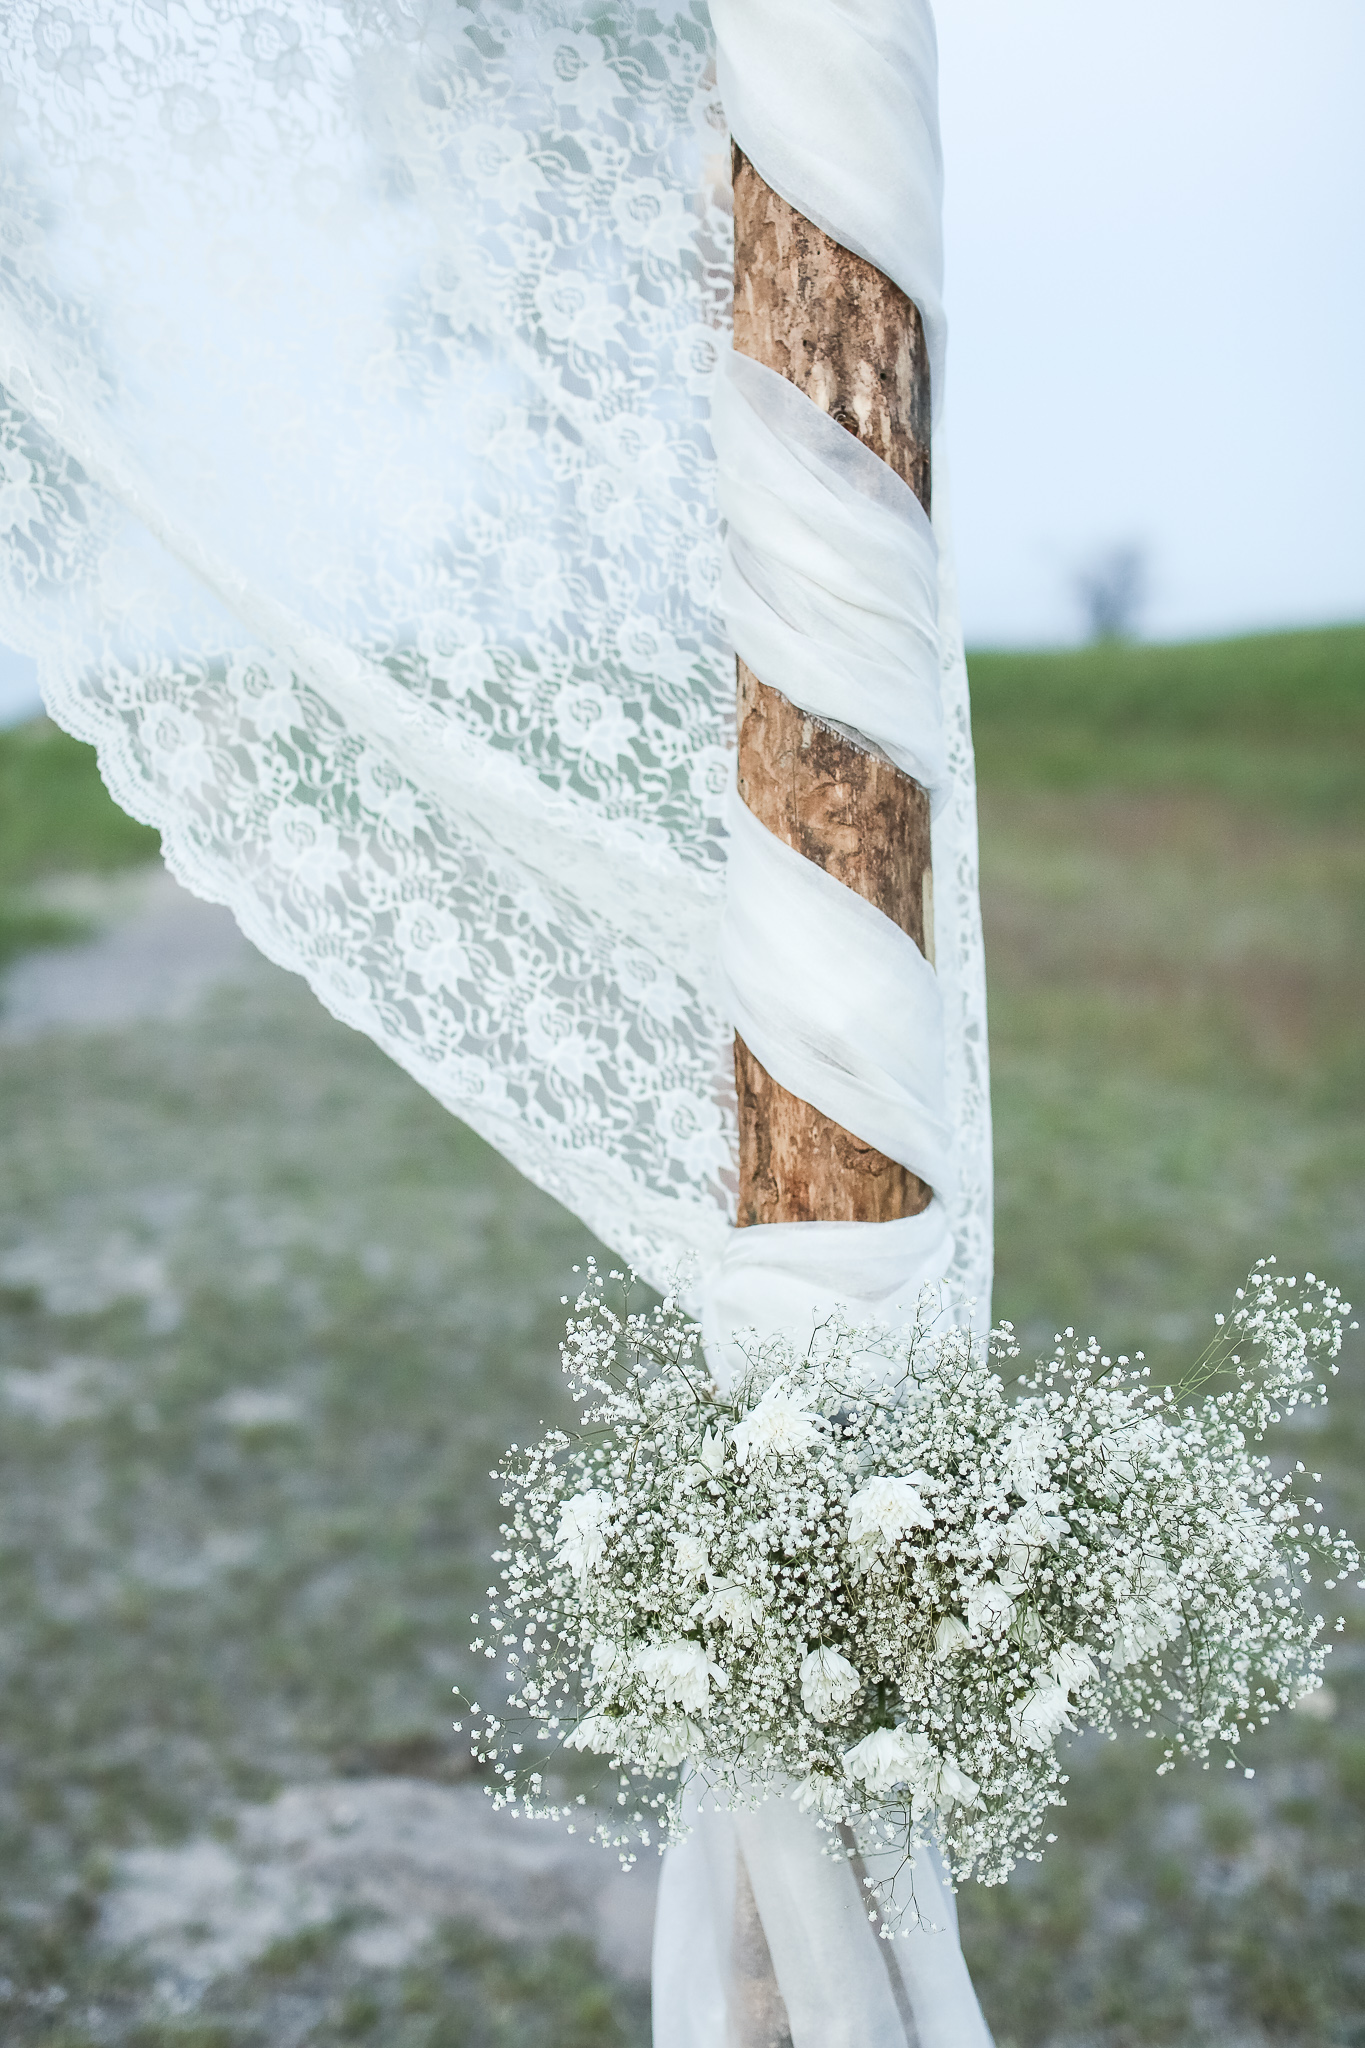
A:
x: 842, y: 805
x: 854, y: 343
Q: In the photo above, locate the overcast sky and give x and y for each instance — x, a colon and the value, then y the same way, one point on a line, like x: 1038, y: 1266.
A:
x: 1156, y: 290
x: 1155, y: 233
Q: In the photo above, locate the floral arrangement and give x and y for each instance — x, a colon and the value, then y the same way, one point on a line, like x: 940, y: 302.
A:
x: 883, y: 1580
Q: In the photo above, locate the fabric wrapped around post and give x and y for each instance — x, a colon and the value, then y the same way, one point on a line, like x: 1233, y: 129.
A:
x: 831, y: 569
x: 831, y: 593
x: 358, y: 379
x: 843, y: 1984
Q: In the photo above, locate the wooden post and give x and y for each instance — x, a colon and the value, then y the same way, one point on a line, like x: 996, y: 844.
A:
x: 854, y: 343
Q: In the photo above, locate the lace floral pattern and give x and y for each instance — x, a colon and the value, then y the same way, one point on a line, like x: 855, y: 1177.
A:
x: 960, y: 951
x: 358, y: 499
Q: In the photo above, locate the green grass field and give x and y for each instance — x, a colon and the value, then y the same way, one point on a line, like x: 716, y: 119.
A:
x: 55, y: 819
x: 1173, y: 870
x: 204, y: 1600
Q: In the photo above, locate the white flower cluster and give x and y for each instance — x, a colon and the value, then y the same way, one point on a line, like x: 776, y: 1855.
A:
x: 888, y: 1596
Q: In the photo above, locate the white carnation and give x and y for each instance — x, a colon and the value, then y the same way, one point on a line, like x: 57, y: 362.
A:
x: 893, y: 1756
x: 818, y: 1793
x: 598, y: 1732
x: 782, y: 1425
x: 712, y: 1453
x: 1072, y: 1666
x: 1147, y: 1621
x: 682, y: 1674
x: 1030, y: 1451
x: 1027, y: 1628
x: 709, y: 1555
x: 882, y: 1511
x: 1141, y: 1631
x: 1040, y: 1716
x: 580, y: 1539
x: 1030, y: 1531
x: 609, y: 1660
x: 955, y: 1788
x: 1119, y: 1468
x: 950, y: 1636
x: 731, y: 1606
x: 689, y: 1555
x: 828, y: 1683
x: 673, y: 1741
x: 990, y: 1606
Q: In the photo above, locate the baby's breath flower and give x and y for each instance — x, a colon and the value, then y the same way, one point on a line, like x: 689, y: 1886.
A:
x: 772, y: 1585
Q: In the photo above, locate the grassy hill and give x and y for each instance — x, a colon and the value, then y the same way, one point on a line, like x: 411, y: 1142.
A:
x: 1275, y: 716
x: 56, y: 818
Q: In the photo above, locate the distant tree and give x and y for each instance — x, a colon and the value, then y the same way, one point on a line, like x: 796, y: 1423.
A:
x: 1113, y: 591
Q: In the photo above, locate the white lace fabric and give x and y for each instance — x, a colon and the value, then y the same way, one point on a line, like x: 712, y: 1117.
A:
x: 359, y: 503
x: 360, y: 506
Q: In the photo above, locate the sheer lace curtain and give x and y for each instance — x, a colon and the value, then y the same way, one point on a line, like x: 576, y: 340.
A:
x: 357, y: 365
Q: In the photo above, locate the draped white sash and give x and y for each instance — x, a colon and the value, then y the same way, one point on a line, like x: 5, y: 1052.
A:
x: 830, y: 589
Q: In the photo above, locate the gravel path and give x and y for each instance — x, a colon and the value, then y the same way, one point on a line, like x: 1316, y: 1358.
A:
x: 394, y: 1855
x: 179, y: 1189
x: 159, y: 950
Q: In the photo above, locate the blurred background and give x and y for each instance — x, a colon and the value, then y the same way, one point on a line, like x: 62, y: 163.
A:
x: 268, y: 1315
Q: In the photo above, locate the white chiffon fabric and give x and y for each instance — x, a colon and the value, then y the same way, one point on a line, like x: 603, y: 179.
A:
x: 835, y: 1001
x: 359, y: 367
x: 843, y: 1984
x: 831, y: 591
x: 836, y: 103
x: 831, y: 569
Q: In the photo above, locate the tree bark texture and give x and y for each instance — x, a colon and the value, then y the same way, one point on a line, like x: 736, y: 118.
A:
x: 854, y: 343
